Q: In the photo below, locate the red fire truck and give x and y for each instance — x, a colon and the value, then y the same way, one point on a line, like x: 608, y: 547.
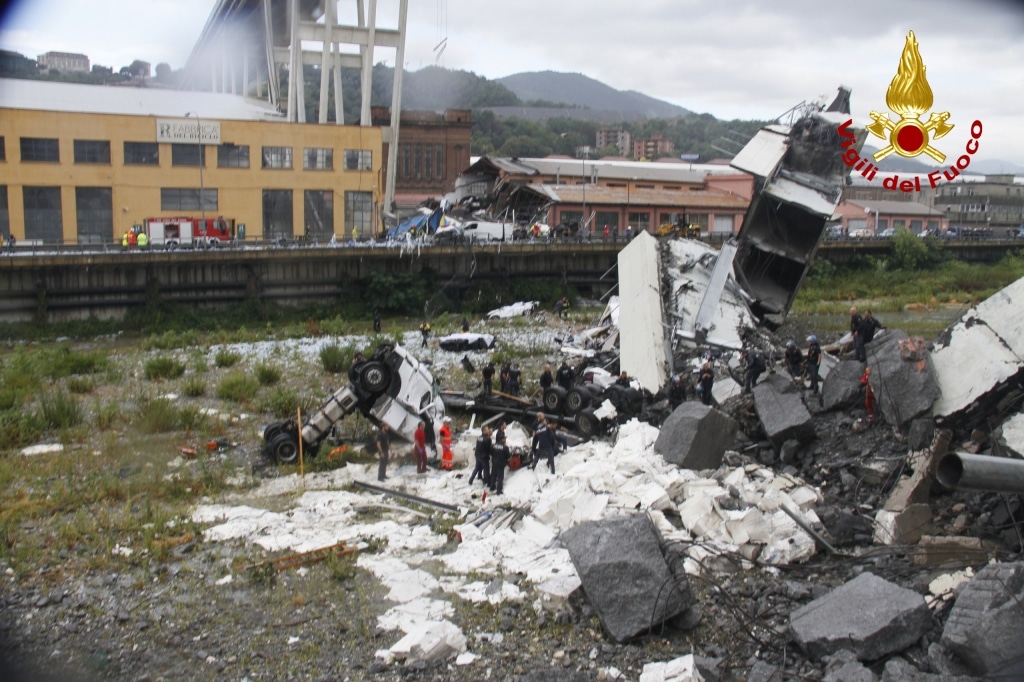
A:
x: 199, y: 233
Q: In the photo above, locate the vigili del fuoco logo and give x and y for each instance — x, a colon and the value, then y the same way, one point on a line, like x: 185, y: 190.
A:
x: 910, y: 97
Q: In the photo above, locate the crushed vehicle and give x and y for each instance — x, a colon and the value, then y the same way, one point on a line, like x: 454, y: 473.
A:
x: 390, y: 387
x: 466, y: 341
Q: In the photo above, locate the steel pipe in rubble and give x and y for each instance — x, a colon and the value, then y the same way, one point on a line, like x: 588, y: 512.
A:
x: 981, y: 472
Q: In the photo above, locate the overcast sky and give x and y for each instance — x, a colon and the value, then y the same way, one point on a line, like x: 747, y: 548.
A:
x: 734, y: 59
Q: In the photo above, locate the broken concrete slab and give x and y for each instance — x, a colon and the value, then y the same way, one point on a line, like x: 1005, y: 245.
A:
x: 899, y: 670
x: 916, y: 488
x: 682, y: 669
x: 985, y: 629
x: 869, y: 615
x: 625, y: 575
x: 430, y: 642
x: 841, y: 388
x: 922, y: 431
x: 903, y: 527
x: 782, y: 412
x: 1009, y: 436
x: 695, y: 436
x: 973, y: 382
x: 933, y: 550
x: 844, y: 667
x: 642, y: 338
x: 903, y: 377
x: 556, y: 592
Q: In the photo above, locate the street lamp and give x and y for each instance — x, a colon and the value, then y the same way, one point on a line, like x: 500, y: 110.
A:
x: 202, y: 158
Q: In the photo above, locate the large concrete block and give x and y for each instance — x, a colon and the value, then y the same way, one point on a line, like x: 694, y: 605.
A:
x: 868, y: 615
x: 933, y: 550
x: 695, y: 436
x: 986, y: 626
x: 903, y: 377
x: 842, y: 387
x: 979, y: 360
x: 782, y: 411
x: 625, y: 575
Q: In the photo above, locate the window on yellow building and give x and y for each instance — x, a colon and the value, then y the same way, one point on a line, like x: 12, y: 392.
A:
x: 92, y: 151
x: 358, y: 159
x: 40, y: 149
x: 141, y: 154
x: 188, y: 154
x: 277, y: 157
x: 318, y: 158
x: 233, y: 156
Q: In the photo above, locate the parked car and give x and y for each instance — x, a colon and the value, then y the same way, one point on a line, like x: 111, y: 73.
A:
x: 860, y: 234
x: 887, y: 233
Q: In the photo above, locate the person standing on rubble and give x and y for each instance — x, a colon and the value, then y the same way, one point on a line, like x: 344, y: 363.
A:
x: 419, y: 448
x: 514, y: 377
x: 499, y: 460
x: 856, y: 322
x: 488, y: 375
x: 465, y: 324
x: 754, y: 367
x: 868, y: 326
x: 383, y: 450
x: 503, y: 376
x: 545, y: 442
x: 813, y: 361
x: 565, y: 377
x: 676, y: 391
x: 482, y: 454
x: 425, y: 332
x: 707, y: 380
x: 376, y: 320
x: 869, y: 394
x: 446, y: 444
x: 794, y: 360
x: 547, y: 380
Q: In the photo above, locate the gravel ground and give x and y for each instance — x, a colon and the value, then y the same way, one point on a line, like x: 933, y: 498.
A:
x: 145, y: 620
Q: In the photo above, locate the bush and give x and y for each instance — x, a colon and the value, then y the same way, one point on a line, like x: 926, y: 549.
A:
x: 282, y: 403
x: 226, y: 358
x: 64, y: 362
x: 194, y: 386
x: 156, y: 416
x: 81, y: 384
x: 237, y: 386
x: 335, y: 358
x: 60, y: 410
x: 107, y: 415
x: 267, y: 374
x: 18, y: 429
x: 162, y: 367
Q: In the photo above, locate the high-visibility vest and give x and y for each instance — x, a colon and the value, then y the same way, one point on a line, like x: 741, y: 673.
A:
x: 446, y: 447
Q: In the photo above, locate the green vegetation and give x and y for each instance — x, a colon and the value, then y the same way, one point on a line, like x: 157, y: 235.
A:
x: 238, y: 387
x: 162, y: 367
x: 267, y: 374
x: 60, y: 410
x: 194, y: 386
x: 336, y: 359
x: 226, y: 358
x: 887, y: 288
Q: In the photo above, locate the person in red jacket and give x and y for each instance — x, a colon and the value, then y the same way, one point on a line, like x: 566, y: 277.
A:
x: 869, y: 394
x: 420, y: 448
x: 446, y: 444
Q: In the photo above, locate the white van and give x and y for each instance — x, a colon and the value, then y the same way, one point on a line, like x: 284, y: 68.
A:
x: 482, y: 231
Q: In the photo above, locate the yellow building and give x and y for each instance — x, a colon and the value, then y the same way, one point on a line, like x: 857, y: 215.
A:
x: 84, y: 163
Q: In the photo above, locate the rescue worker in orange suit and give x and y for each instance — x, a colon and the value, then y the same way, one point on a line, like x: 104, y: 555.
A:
x: 446, y: 444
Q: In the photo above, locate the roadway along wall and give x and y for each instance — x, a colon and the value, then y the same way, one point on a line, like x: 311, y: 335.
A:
x: 59, y: 287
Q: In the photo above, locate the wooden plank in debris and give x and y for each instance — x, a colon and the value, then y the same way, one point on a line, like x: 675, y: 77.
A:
x: 306, y: 558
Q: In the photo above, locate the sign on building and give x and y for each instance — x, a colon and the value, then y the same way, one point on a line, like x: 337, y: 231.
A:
x: 187, y: 130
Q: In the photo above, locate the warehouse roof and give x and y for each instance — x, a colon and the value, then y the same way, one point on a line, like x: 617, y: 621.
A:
x: 16, y: 93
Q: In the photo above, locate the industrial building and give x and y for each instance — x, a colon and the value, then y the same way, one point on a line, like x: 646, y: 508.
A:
x: 83, y: 164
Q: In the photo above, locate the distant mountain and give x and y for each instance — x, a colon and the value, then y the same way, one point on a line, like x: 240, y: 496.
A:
x: 895, y: 162
x: 577, y: 90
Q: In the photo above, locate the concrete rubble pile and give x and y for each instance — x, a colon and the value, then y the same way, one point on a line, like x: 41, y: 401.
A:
x: 661, y: 506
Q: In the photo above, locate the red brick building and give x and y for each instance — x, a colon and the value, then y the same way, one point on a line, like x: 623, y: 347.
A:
x: 433, y: 148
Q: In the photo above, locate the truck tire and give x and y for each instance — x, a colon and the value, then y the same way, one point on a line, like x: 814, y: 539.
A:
x: 554, y: 398
x: 271, y: 431
x: 576, y: 399
x: 284, y: 448
x: 374, y: 377
x: 587, y: 423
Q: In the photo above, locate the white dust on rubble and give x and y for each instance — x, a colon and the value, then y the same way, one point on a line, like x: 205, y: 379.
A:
x: 737, y: 510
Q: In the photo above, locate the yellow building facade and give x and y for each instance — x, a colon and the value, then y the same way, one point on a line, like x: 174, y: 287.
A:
x: 89, y: 175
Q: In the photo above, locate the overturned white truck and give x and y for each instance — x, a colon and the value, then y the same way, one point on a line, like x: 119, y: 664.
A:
x: 684, y: 292
x: 390, y: 387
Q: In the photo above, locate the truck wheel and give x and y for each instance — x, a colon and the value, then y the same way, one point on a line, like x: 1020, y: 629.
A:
x: 284, y: 449
x: 374, y: 377
x: 554, y: 397
x: 576, y: 399
x: 271, y: 431
x: 587, y: 423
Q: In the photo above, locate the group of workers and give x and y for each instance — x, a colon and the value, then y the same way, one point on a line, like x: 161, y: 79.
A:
x: 130, y: 239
